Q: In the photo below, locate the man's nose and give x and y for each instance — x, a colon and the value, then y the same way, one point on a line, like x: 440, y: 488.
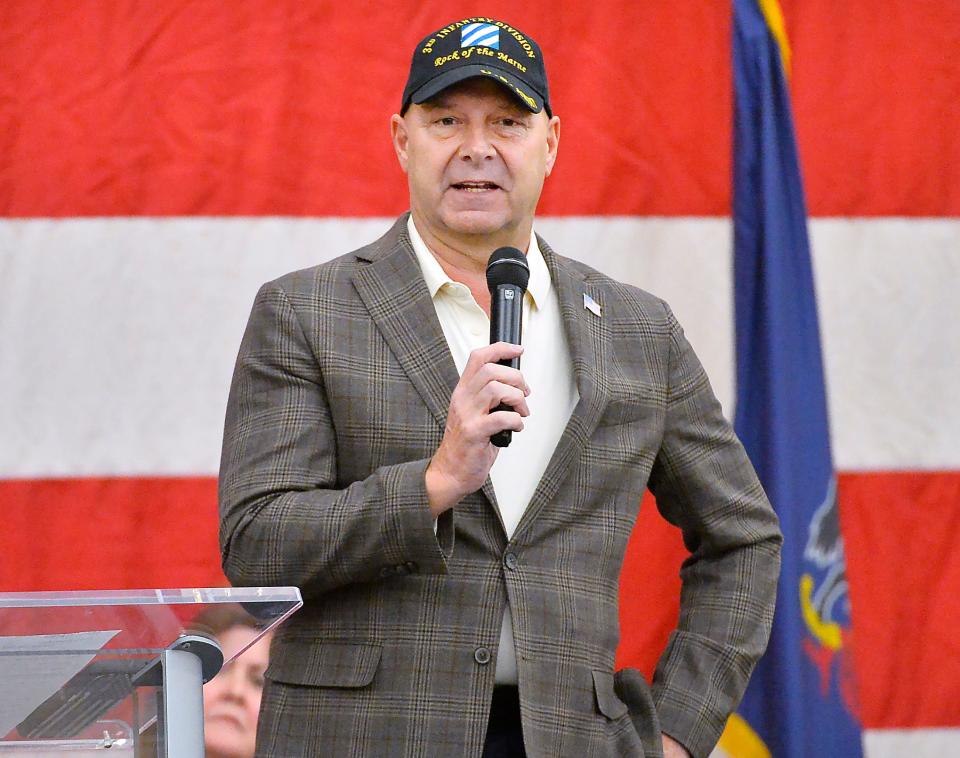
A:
x: 477, y: 144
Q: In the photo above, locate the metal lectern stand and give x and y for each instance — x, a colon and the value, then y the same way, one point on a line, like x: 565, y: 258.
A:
x: 83, y: 672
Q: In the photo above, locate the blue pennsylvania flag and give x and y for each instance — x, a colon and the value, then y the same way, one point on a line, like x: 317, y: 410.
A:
x: 801, y: 701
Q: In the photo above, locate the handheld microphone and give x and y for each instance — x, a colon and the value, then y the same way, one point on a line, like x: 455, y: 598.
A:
x: 507, y: 277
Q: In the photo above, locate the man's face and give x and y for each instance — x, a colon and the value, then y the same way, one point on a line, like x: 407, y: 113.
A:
x: 475, y: 160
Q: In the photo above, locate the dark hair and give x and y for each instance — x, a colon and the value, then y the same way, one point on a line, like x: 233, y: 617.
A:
x: 216, y: 619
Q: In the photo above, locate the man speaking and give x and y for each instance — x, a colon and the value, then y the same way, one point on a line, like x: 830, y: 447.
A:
x: 461, y: 597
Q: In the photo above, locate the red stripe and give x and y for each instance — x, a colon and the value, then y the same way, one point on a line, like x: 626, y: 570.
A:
x: 899, y: 528
x: 280, y: 107
x: 900, y: 532
x: 73, y: 534
x: 876, y: 92
x: 128, y: 533
x: 649, y: 589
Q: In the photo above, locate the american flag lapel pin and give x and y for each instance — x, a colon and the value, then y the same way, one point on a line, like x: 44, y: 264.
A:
x: 591, y: 305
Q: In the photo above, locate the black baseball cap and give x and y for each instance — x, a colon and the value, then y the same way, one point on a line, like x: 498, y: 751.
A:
x: 478, y: 47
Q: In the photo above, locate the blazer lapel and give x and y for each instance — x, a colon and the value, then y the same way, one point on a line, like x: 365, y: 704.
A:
x: 588, y: 338
x: 392, y: 288
x: 396, y: 296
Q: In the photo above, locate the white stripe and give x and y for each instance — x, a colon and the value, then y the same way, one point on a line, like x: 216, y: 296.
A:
x: 472, y: 34
x: 890, y: 320
x: 685, y: 261
x: 889, y: 311
x: 117, y: 336
x: 897, y: 743
x: 915, y: 743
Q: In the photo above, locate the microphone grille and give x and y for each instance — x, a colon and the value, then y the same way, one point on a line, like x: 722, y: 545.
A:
x: 507, y: 265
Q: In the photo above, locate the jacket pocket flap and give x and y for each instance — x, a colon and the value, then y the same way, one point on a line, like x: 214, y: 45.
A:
x: 324, y: 664
x: 607, y: 701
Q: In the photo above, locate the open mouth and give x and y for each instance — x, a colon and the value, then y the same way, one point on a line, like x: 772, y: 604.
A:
x: 475, y: 186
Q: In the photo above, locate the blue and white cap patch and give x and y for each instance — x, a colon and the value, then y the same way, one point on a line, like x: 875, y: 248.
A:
x: 478, y: 46
x: 487, y: 35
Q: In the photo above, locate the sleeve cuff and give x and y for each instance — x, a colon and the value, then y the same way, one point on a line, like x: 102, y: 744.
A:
x: 413, y: 538
x: 695, y: 715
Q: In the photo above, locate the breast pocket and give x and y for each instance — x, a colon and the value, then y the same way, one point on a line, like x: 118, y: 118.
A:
x: 633, y: 401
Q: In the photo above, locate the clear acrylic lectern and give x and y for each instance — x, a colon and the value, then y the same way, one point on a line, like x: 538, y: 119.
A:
x: 86, y: 672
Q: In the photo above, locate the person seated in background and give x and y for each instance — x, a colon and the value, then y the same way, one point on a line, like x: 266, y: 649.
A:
x: 231, y: 700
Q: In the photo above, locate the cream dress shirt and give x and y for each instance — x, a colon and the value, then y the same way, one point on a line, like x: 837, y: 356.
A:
x: 547, y: 368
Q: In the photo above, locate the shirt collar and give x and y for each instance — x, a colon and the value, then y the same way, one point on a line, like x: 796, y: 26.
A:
x: 433, y: 274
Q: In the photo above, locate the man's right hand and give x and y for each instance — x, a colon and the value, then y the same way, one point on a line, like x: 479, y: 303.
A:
x: 463, y: 460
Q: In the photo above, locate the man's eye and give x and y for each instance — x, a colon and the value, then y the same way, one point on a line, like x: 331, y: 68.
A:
x: 447, y: 121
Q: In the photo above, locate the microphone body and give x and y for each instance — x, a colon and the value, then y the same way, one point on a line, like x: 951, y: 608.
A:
x: 507, y: 277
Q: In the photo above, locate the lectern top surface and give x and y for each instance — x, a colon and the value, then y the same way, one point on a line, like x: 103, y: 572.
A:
x: 71, y: 663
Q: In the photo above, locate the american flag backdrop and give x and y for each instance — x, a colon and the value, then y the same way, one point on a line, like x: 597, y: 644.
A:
x: 160, y: 160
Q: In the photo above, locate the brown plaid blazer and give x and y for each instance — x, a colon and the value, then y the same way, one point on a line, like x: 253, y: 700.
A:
x: 338, y: 401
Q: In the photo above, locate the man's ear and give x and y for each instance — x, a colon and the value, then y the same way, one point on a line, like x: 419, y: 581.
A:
x: 398, y: 133
x: 553, y: 142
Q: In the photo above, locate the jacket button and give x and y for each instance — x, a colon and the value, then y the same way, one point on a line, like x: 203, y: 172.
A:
x: 510, y: 561
x: 482, y: 656
x: 386, y: 571
x: 411, y: 567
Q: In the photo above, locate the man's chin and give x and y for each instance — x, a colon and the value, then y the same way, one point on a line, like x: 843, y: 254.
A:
x: 477, y: 222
